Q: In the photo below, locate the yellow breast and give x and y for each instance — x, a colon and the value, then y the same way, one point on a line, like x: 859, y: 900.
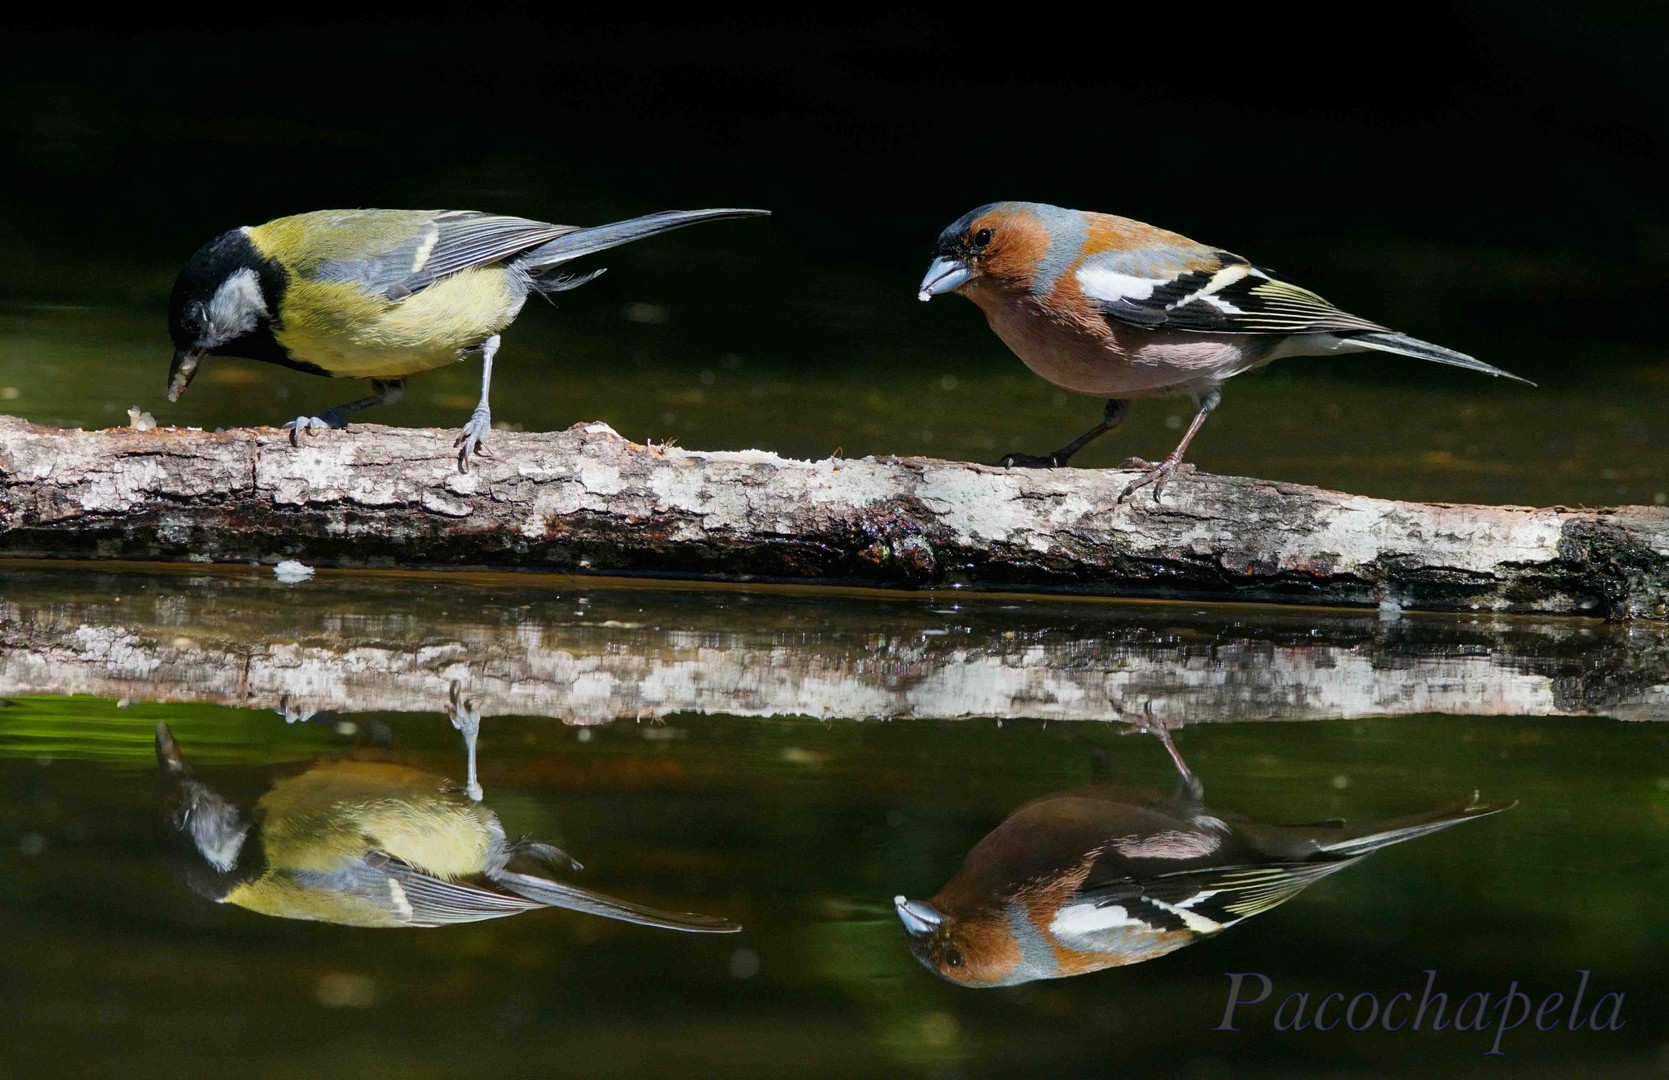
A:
x: 353, y: 333
x: 336, y: 812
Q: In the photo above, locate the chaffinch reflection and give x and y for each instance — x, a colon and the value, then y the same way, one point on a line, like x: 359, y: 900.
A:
x: 1106, y: 876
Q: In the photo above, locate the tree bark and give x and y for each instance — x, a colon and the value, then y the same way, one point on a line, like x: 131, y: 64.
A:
x: 586, y: 651
x: 588, y: 500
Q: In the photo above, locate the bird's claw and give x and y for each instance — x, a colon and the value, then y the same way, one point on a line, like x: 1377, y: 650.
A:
x: 1030, y: 461
x: 293, y: 714
x: 312, y: 425
x: 466, y: 718
x: 474, y: 438
x: 1158, y: 474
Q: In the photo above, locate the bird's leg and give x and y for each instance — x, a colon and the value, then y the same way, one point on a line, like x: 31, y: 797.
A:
x: 474, y: 438
x: 1160, y: 473
x: 384, y: 392
x: 1189, y: 786
x: 467, y: 719
x: 1111, y: 417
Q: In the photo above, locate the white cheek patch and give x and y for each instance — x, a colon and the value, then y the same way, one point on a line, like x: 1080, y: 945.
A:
x: 218, y: 834
x: 1102, y: 283
x: 237, y: 305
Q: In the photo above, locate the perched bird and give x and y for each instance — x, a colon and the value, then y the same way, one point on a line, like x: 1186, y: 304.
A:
x: 1104, y: 876
x: 381, y: 294
x: 370, y: 843
x: 1107, y: 306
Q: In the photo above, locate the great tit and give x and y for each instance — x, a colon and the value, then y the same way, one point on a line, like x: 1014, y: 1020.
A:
x: 370, y: 843
x: 1105, y: 876
x: 381, y: 294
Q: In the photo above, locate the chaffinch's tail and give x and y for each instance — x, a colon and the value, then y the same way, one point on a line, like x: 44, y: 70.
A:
x: 1403, y: 345
x: 1358, y: 840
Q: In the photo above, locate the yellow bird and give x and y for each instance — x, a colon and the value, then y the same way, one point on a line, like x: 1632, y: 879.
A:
x: 370, y: 843
x: 380, y: 295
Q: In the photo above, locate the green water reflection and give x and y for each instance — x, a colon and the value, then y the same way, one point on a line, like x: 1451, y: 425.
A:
x: 803, y: 832
x: 613, y: 729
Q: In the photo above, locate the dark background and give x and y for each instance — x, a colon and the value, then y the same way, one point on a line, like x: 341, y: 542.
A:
x: 1484, y: 175
x: 1531, y: 140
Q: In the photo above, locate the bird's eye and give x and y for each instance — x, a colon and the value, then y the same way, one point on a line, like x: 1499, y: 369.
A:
x: 953, y: 958
x: 982, y: 237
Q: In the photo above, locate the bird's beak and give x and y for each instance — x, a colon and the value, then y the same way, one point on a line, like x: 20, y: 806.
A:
x: 180, y: 372
x: 945, y: 275
x: 918, y: 917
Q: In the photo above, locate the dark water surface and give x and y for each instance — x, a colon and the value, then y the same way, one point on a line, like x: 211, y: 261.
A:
x: 791, y: 760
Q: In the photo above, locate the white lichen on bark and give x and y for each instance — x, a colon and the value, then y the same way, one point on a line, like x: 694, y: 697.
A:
x: 587, y: 499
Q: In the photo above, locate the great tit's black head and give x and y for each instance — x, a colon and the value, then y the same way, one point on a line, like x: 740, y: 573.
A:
x: 222, y: 301
x: 207, y: 842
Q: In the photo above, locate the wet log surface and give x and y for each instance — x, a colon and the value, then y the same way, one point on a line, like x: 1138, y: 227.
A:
x: 588, y: 500
x: 586, y: 651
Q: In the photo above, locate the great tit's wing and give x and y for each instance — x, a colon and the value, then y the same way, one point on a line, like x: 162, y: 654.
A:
x: 436, y: 245
x: 1196, y: 288
x: 413, y: 898
x: 556, y: 894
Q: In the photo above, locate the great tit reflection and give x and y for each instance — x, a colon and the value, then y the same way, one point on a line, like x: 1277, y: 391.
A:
x: 370, y: 843
x: 1106, y: 876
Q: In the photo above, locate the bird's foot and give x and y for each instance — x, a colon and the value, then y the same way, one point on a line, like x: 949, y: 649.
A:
x: 474, y: 438
x: 1158, y: 474
x: 293, y: 713
x: 1031, y: 461
x: 312, y: 425
x: 466, y: 718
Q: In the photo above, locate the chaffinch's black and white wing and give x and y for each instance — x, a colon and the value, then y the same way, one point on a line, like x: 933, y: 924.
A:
x: 1198, y: 289
x: 1206, y: 290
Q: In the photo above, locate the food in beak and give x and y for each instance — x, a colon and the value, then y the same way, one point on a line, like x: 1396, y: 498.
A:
x: 944, y: 275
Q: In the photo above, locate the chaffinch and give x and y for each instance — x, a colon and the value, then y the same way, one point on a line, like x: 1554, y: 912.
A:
x: 1104, y: 876
x: 1111, y: 307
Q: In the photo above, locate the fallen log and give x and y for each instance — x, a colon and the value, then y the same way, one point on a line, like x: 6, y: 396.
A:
x: 586, y: 651
x: 588, y: 500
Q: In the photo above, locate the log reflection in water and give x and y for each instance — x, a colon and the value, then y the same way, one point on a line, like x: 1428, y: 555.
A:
x: 588, y: 652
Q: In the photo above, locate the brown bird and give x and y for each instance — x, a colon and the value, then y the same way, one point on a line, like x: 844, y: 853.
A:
x: 1121, y: 310
x: 1105, y: 876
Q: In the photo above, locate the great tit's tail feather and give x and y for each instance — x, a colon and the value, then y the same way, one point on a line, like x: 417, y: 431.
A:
x: 556, y: 894
x: 602, y: 237
x: 1403, y: 345
x: 562, y: 282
